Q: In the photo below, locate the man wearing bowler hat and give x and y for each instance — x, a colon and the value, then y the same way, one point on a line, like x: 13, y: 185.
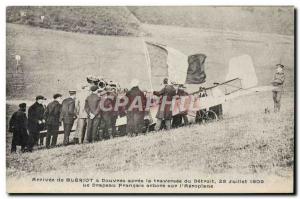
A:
x: 277, y: 82
x: 36, y: 121
x: 52, y: 115
x: 68, y: 115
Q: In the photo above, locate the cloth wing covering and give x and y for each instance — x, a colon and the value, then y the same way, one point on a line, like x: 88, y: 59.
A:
x: 177, y: 66
x: 181, y: 69
x: 242, y: 67
x: 196, y: 70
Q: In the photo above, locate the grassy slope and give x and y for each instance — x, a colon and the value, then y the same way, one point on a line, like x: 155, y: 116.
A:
x: 276, y: 19
x: 63, y: 60
x: 92, y: 20
x: 247, y: 143
x: 47, y: 55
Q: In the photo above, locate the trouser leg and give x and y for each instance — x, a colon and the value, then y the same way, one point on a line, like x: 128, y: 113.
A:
x: 13, y: 145
x: 80, y: 130
x: 48, y: 136
x: 106, y: 119
x: 89, y: 130
x: 95, y: 125
x: 54, y: 136
x: 185, y: 119
x: 67, y: 130
x: 23, y: 148
x: 275, y: 100
x: 278, y: 99
x: 168, y: 124
x: 130, y: 124
x: 31, y: 140
x: 158, y: 124
x: 138, y: 122
x: 113, y: 126
x: 41, y: 139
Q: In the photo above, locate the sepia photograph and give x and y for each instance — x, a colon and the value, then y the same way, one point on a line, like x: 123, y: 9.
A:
x: 150, y: 99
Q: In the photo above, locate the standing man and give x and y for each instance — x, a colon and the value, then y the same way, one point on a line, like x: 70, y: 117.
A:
x: 18, y: 126
x: 177, y: 119
x: 91, y: 108
x: 52, y: 115
x: 81, y: 114
x: 277, y: 82
x: 104, y: 113
x: 164, y: 112
x: 135, y: 109
x: 112, y: 93
x: 36, y: 121
x: 68, y: 115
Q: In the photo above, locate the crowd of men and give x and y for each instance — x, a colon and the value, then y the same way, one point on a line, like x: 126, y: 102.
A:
x: 91, y: 106
x: 96, y: 109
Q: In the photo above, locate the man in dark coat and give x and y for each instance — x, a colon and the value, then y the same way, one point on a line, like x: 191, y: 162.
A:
x: 68, y: 115
x: 104, y: 111
x: 177, y: 119
x: 115, y: 111
x: 164, y: 112
x: 91, y: 108
x: 135, y: 109
x: 52, y: 115
x: 36, y: 121
x: 109, y: 112
x: 18, y: 126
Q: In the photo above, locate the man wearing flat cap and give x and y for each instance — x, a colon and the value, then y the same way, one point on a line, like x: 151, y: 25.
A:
x: 52, y: 115
x: 91, y: 108
x: 68, y: 115
x: 18, y: 126
x: 278, y: 82
x: 36, y: 121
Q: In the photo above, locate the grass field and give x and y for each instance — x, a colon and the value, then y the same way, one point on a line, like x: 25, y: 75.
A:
x: 251, y: 144
x: 246, y: 142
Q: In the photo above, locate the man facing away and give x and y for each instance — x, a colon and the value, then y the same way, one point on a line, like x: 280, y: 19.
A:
x: 18, y: 126
x: 68, y: 115
x: 81, y: 114
x: 164, y: 112
x: 135, y: 109
x: 177, y: 119
x: 36, y: 121
x: 91, y: 107
x: 52, y: 115
x: 277, y: 82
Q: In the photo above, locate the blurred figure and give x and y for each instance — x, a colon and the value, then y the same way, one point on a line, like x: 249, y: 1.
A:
x: 177, y: 119
x: 164, y: 112
x: 36, y: 121
x: 278, y: 82
x: 68, y: 115
x: 135, y: 109
x: 52, y: 115
x: 112, y: 94
x: 81, y: 114
x: 104, y: 112
x: 91, y: 108
x: 18, y: 126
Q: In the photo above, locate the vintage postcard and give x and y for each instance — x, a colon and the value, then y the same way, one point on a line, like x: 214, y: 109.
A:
x: 150, y: 99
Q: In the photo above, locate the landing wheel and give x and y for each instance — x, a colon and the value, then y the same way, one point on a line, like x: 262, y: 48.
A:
x: 204, y: 116
x: 211, y: 116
